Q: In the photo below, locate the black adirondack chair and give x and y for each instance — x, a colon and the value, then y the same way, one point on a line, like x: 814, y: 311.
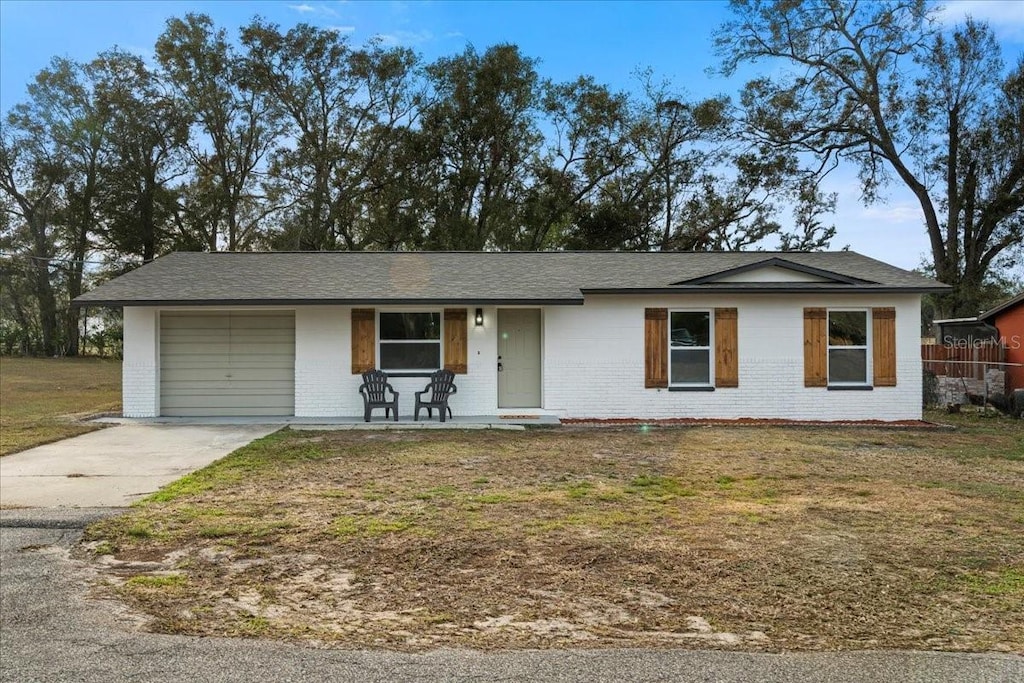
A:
x: 442, y: 385
x: 374, y: 391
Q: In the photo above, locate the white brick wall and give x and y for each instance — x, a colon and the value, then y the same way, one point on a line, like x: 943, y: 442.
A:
x: 325, y: 385
x: 140, y: 371
x: 322, y: 360
x: 593, y: 363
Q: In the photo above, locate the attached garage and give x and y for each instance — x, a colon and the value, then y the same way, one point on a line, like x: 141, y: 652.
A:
x: 227, y: 363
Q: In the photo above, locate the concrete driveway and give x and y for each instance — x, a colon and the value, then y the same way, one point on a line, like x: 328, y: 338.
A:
x: 114, y: 467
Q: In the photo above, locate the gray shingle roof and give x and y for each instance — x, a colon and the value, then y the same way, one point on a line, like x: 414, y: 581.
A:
x: 471, y: 277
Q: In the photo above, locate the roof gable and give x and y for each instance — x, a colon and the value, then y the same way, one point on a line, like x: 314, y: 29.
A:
x: 776, y: 270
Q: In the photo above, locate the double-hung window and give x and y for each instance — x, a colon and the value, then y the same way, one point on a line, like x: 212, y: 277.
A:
x: 410, y: 342
x: 848, y: 344
x: 690, y: 342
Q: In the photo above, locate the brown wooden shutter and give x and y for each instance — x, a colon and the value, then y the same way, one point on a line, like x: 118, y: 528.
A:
x: 883, y: 352
x: 364, y: 338
x: 815, y: 347
x: 655, y: 347
x: 455, y: 347
x: 727, y: 367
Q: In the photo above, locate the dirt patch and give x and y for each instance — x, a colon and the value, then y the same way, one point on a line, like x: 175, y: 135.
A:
x: 774, y: 539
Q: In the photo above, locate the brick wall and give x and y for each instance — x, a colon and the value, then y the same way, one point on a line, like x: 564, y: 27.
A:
x: 140, y: 371
x: 594, y: 365
x: 321, y: 333
x: 325, y: 385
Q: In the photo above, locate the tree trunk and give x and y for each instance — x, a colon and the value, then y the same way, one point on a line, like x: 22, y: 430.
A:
x: 71, y: 319
x: 79, y: 250
x: 47, y: 307
x: 38, y: 220
x: 147, y: 218
x: 75, y: 286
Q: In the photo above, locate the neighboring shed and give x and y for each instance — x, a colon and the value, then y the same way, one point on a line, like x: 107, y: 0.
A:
x: 1008, y: 319
x: 964, y: 331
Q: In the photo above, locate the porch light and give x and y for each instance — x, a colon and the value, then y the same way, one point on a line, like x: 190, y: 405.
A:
x: 478, y: 319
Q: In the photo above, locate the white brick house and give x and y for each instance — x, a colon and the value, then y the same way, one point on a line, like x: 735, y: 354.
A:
x: 803, y: 336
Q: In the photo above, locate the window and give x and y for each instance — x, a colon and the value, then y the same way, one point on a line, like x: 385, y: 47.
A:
x: 410, y: 341
x: 689, y: 344
x: 848, y: 347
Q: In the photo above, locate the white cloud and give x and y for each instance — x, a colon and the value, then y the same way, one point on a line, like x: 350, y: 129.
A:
x: 314, y: 10
x: 894, y: 214
x: 341, y: 29
x: 891, y: 230
x: 404, y: 38
x: 1006, y: 17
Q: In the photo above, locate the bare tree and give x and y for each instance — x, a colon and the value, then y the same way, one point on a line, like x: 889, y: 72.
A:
x: 877, y: 84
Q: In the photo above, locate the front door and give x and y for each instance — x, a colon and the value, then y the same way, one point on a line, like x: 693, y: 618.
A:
x: 519, y: 358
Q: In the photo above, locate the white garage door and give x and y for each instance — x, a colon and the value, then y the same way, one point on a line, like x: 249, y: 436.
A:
x: 227, y: 363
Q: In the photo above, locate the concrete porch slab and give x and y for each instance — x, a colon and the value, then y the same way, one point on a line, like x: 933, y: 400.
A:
x: 383, y: 426
x: 351, y: 422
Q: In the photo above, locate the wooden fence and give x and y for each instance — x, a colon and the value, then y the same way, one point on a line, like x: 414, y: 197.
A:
x: 961, y: 361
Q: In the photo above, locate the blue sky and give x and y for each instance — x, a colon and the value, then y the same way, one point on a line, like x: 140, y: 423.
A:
x: 607, y: 40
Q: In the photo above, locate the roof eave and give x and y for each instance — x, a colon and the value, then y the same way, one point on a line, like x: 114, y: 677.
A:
x: 761, y: 289
x: 946, y: 321
x: 120, y: 303
x: 996, y: 310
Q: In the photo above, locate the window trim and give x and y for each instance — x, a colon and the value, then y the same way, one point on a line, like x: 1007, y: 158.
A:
x: 710, y: 384
x: 867, y: 347
x: 409, y: 372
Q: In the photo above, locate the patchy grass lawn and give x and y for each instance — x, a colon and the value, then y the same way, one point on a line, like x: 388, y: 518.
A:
x: 748, y: 538
x: 41, y: 399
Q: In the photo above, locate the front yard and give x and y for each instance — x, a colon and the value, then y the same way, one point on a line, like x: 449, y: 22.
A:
x: 43, y: 399
x: 747, y: 538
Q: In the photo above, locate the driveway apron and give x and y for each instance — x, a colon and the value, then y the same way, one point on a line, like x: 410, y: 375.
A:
x: 116, y: 466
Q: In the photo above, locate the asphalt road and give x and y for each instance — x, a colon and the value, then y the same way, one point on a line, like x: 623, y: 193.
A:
x: 51, y: 631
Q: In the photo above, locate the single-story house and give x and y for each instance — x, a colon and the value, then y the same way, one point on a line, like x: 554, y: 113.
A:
x: 803, y: 336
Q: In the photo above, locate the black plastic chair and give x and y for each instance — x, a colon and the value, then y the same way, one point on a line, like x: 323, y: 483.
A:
x: 374, y: 391
x: 442, y: 385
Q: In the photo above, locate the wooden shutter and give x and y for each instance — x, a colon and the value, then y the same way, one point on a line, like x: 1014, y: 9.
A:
x: 655, y: 347
x: 883, y: 351
x: 364, y: 338
x: 727, y: 372
x: 455, y: 348
x: 815, y: 347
